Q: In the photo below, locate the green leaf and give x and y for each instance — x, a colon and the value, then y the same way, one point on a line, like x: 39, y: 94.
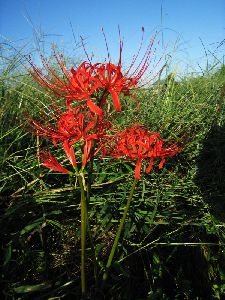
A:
x: 32, y: 288
x: 8, y: 253
x: 55, y: 224
x: 54, y: 212
x: 32, y: 226
x: 98, y: 248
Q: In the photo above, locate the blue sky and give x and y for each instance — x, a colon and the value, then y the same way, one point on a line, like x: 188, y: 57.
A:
x: 181, y: 25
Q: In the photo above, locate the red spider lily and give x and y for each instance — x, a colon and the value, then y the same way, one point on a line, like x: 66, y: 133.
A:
x: 114, y: 81
x: 78, y: 84
x: 140, y: 144
x: 69, y: 127
x: 96, y: 81
x: 49, y: 161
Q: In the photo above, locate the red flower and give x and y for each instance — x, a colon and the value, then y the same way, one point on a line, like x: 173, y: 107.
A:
x: 69, y: 127
x: 49, y: 161
x: 140, y: 144
x: 92, y: 83
x: 115, y: 82
x: 78, y: 84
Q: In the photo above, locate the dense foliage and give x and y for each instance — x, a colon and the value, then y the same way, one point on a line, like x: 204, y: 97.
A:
x: 173, y: 244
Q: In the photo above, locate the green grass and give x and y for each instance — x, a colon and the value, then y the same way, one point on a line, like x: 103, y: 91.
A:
x: 173, y: 245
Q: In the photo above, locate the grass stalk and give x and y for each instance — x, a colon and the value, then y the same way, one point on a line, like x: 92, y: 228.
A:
x: 92, y: 246
x: 115, y: 244
x: 83, y: 235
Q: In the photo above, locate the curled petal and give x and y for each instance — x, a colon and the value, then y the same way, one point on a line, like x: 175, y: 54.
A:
x: 49, y: 161
x: 70, y: 153
x: 150, y: 166
x: 86, y: 152
x: 116, y: 100
x: 93, y: 107
x: 138, y: 169
x: 162, y: 163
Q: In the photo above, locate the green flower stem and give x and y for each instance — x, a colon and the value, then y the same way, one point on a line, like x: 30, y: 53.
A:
x: 115, y: 244
x: 89, y: 182
x: 92, y: 246
x: 91, y: 162
x: 83, y: 234
x: 93, y: 146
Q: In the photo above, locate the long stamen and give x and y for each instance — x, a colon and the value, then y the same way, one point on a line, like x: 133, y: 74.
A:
x: 106, y: 44
x: 85, y: 51
x: 121, y: 47
x: 137, y: 54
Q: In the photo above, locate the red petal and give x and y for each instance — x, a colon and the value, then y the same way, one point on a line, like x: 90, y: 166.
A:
x: 138, y: 169
x: 150, y: 166
x: 93, y: 107
x: 116, y: 100
x: 162, y: 163
x: 86, y: 154
x: 49, y: 161
x: 70, y: 153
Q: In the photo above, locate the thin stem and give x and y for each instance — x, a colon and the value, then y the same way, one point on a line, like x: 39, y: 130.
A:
x: 83, y: 235
x: 89, y: 182
x: 93, y: 146
x: 91, y: 163
x: 115, y: 244
x: 92, y: 245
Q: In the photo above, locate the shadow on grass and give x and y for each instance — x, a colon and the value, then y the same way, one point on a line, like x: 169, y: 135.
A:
x: 211, y: 172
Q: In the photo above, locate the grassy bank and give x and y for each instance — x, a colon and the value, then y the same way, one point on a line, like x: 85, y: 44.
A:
x: 173, y: 245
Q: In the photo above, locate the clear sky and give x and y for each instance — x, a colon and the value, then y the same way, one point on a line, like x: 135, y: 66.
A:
x: 181, y: 24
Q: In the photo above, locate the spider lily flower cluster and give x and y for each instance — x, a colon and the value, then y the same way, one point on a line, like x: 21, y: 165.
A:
x: 84, y: 120
x: 68, y: 128
x: 91, y: 84
x: 83, y: 124
x: 138, y: 144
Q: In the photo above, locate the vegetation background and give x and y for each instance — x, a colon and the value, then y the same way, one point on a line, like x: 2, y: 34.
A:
x: 174, y: 238
x: 173, y: 245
